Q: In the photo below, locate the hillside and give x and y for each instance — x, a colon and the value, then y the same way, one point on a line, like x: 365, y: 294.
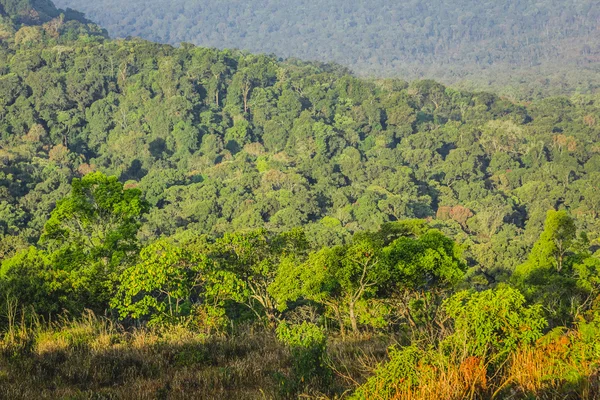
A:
x: 187, y: 222
x: 222, y: 140
x: 519, y: 48
x: 42, y: 20
x: 30, y: 10
x: 35, y: 12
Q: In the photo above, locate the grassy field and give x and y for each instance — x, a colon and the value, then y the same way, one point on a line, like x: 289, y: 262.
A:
x: 93, y: 358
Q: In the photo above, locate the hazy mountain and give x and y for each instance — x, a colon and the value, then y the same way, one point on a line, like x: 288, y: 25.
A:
x: 492, y: 42
x: 34, y: 12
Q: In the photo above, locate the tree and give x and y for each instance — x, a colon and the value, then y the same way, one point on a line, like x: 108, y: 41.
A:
x: 99, y: 219
x: 551, y: 250
x: 254, y: 258
x: 162, y: 287
x: 560, y: 270
x: 338, y: 277
x: 431, y: 261
x: 422, y: 269
x: 493, y: 323
x: 33, y: 280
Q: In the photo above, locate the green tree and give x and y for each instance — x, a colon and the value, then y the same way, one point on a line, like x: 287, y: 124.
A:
x: 557, y: 269
x: 338, y: 277
x: 308, y: 344
x: 493, y: 323
x: 99, y: 218
x: 92, y: 234
x: 254, y: 258
x: 423, y: 269
x: 32, y: 279
x: 555, y: 242
x: 162, y: 287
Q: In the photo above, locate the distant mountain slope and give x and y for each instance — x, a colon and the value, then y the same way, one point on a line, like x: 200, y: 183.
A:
x: 489, y: 41
x: 36, y: 12
x: 30, y: 10
x: 39, y: 21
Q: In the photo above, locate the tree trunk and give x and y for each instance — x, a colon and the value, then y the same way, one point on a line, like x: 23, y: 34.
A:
x: 352, y: 313
x: 338, y: 316
x: 245, y: 94
x: 217, y: 77
x: 561, y: 254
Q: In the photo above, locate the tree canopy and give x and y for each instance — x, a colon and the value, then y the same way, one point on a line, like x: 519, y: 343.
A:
x: 254, y: 227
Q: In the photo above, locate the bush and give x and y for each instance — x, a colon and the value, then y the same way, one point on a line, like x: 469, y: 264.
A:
x: 488, y: 327
x: 308, y: 344
x: 492, y: 323
x: 563, y: 364
x: 400, y: 371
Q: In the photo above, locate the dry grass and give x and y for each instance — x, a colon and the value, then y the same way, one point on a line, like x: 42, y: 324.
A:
x: 558, y: 369
x: 437, y: 380
x: 562, y: 366
x: 95, y: 358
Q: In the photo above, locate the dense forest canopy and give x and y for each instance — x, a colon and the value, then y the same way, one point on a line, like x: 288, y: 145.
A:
x: 225, y: 140
x: 250, y: 227
x: 516, y: 47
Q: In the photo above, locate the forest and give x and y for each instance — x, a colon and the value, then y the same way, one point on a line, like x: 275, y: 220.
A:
x: 187, y: 222
x: 518, y: 48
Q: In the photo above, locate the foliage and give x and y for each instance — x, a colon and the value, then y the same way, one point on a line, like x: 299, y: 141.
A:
x: 252, y: 260
x: 31, y: 279
x: 561, y: 363
x: 338, y: 277
x: 555, y: 241
x: 351, y: 278
x: 308, y: 345
x: 426, y: 263
x: 161, y: 287
x: 312, y: 147
x: 99, y: 219
x: 493, y: 323
x: 400, y: 370
x: 285, y: 200
x: 560, y: 273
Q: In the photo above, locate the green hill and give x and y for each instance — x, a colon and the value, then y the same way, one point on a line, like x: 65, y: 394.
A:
x: 225, y: 140
x: 189, y: 222
x: 37, y: 12
x: 30, y: 11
